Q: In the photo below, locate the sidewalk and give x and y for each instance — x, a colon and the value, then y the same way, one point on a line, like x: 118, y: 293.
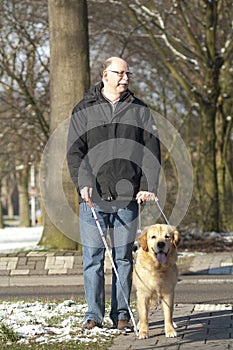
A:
x: 198, y: 326
x: 42, y: 267
x: 207, y: 326
x: 203, y: 326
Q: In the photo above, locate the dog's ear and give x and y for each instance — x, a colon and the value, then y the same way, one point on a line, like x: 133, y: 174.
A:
x: 176, y: 238
x: 143, y: 240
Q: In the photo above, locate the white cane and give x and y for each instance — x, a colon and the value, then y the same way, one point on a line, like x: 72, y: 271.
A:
x: 113, y: 265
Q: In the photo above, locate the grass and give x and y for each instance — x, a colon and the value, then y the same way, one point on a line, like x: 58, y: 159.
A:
x: 11, y: 340
x: 7, y: 334
x: 56, y: 346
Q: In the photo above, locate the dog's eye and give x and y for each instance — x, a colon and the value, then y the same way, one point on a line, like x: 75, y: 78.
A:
x: 167, y: 236
x: 153, y: 237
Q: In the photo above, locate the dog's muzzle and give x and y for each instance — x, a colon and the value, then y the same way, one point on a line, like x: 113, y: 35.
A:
x: 160, y: 254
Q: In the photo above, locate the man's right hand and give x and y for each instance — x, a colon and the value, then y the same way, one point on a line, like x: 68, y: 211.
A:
x: 86, y: 192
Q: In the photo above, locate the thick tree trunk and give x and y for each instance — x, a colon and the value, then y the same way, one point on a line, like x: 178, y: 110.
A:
x: 221, y: 170
x: 209, y: 196
x: 69, y: 79
x: 223, y: 131
x: 209, y: 157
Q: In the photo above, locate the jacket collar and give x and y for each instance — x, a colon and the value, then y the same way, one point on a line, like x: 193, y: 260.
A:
x: 95, y: 95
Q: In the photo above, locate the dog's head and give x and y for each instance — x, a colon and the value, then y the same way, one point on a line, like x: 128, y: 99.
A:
x: 160, y: 240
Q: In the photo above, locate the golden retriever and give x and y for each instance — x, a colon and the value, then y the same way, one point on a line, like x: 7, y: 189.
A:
x: 155, y: 274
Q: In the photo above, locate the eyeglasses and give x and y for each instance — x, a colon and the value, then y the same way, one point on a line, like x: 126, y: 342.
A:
x: 121, y: 74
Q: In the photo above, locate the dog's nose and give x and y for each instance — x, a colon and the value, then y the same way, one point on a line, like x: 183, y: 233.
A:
x: 161, y: 245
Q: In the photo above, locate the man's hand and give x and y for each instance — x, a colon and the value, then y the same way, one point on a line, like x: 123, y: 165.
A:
x: 145, y: 196
x: 86, y: 192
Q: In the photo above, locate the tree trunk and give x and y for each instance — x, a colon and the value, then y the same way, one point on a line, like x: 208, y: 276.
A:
x: 209, y: 201
x: 1, y: 208
x: 69, y: 79
x: 22, y: 184
x: 10, y: 206
x: 223, y: 131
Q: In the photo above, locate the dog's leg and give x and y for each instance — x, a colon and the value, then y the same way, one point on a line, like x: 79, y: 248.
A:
x: 168, y: 302
x: 143, y: 309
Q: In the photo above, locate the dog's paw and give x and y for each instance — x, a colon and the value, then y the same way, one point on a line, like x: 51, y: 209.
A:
x: 143, y: 335
x: 143, y: 331
x: 170, y: 332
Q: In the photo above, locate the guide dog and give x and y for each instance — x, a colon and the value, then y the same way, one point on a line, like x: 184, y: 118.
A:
x: 155, y: 274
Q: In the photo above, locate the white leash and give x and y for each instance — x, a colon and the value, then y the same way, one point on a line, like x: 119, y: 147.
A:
x: 161, y: 210
x: 139, y: 230
x: 113, y: 265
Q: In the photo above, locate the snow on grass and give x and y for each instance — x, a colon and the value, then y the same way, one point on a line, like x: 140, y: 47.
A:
x: 50, y: 322
x: 13, y: 239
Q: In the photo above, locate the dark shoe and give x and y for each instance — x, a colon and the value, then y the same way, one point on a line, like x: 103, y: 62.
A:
x: 124, y: 325
x: 89, y: 324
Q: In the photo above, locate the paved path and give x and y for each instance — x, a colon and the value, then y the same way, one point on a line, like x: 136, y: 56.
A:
x: 203, y: 326
x: 43, y: 268
x: 70, y: 263
x: 207, y: 326
x: 198, y: 326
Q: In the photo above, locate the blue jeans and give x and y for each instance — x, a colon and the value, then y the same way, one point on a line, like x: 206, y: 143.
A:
x: 122, y: 226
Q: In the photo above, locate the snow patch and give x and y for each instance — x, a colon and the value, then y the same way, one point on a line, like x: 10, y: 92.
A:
x: 51, y: 322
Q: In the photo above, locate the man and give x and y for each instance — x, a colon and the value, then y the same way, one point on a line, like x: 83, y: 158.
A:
x: 114, y: 158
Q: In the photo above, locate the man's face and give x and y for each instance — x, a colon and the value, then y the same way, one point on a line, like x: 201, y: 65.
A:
x: 116, y: 77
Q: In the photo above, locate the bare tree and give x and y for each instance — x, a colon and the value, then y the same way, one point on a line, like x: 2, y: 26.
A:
x: 198, y: 57
x: 24, y: 91
x: 183, y: 51
x: 181, y: 54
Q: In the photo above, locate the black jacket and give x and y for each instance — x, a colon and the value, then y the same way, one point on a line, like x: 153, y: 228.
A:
x: 114, y: 150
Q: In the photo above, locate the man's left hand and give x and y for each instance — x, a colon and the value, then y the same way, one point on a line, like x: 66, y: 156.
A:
x: 145, y: 196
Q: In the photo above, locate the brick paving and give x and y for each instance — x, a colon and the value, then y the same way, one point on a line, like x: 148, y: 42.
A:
x: 70, y: 263
x: 198, y: 326
x: 203, y: 326
x: 41, y: 263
